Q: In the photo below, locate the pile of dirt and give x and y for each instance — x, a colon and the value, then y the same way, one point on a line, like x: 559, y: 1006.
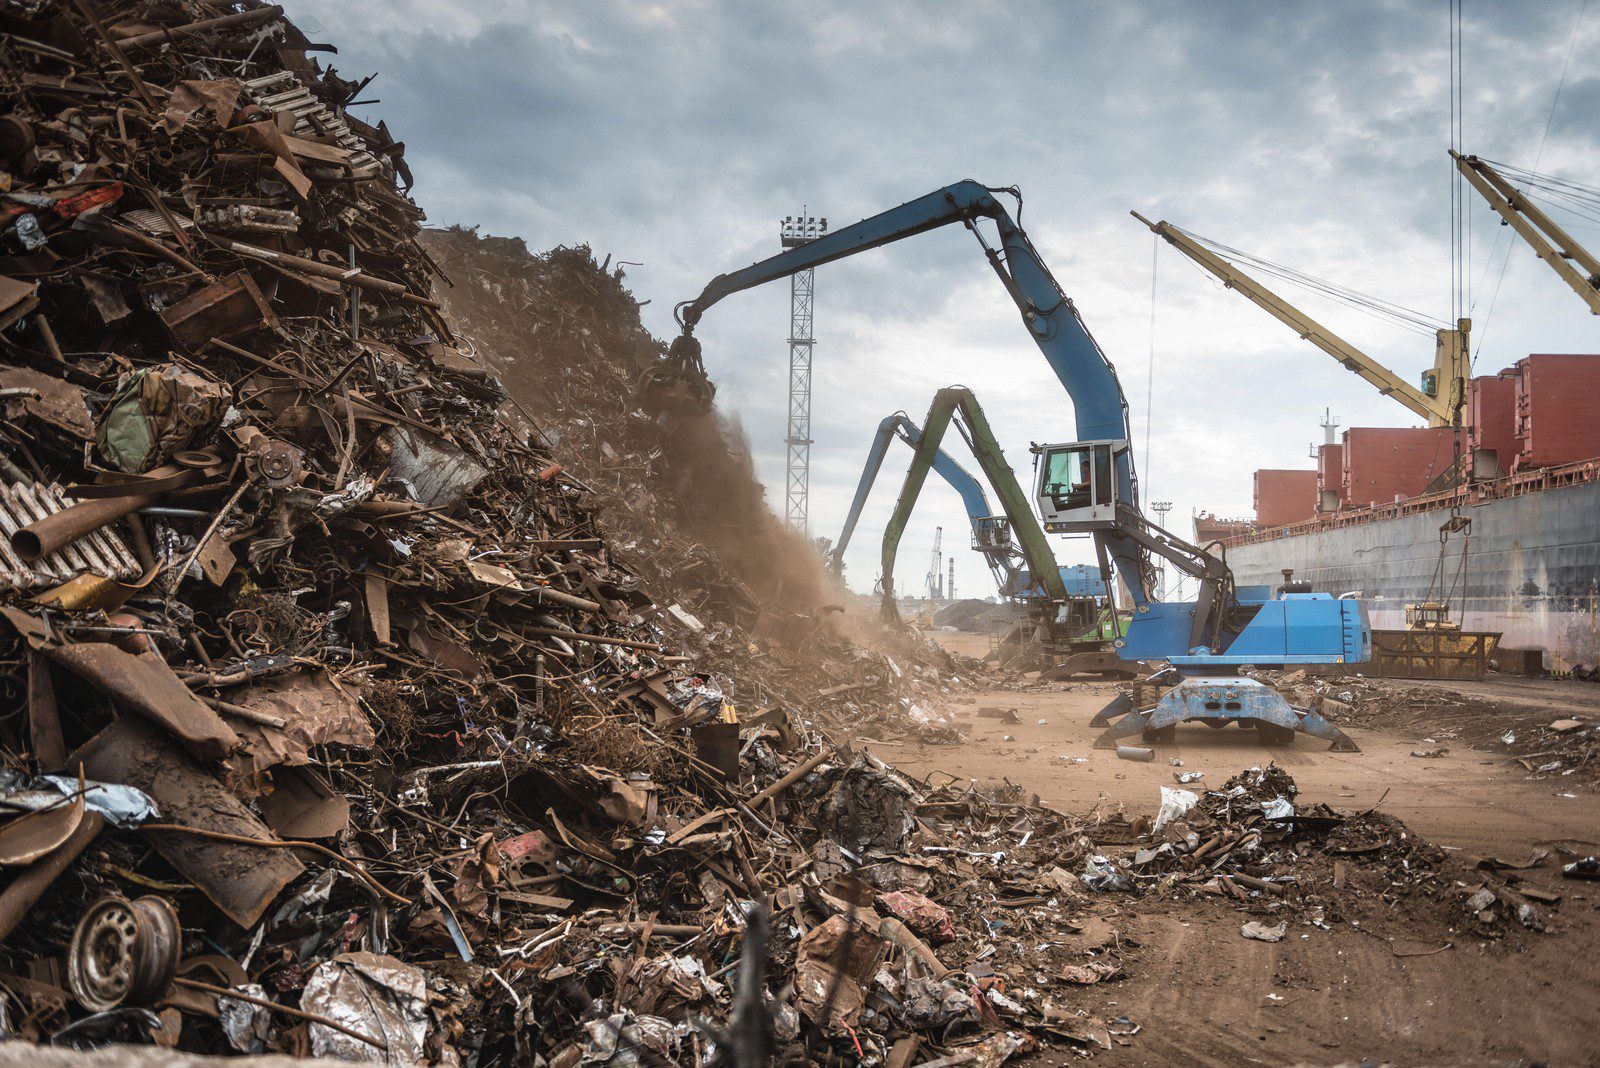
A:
x: 978, y: 616
x: 678, y: 496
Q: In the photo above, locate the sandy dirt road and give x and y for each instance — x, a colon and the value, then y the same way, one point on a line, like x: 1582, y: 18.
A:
x: 1202, y: 994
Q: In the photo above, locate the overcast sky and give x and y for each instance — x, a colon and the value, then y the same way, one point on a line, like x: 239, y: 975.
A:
x: 678, y: 135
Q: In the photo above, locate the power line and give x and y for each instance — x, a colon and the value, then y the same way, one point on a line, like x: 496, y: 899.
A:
x: 1537, y: 156
x: 1397, y: 314
x: 1150, y: 371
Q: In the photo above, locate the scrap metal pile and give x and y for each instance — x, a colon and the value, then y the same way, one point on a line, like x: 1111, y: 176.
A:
x: 348, y: 710
x: 1249, y: 841
x: 332, y: 720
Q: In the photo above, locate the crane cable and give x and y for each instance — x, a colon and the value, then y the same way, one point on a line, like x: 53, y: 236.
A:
x: 1397, y: 314
x: 1572, y: 45
x: 1460, y: 250
x: 1575, y: 197
x: 1150, y: 370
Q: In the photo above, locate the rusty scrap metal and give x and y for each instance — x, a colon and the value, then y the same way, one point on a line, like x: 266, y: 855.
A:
x: 55, y: 530
x: 124, y: 952
x: 488, y: 640
x: 100, y: 551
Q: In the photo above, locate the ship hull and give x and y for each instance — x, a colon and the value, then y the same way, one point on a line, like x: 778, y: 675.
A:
x: 1531, y: 572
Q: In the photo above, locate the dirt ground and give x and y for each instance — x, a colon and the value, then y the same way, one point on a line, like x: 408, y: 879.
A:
x: 1202, y: 994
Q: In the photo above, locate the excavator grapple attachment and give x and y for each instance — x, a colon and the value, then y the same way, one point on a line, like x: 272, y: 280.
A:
x: 664, y: 389
x: 677, y: 384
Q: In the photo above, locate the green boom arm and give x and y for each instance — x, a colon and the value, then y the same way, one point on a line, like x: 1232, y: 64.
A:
x: 1013, y: 501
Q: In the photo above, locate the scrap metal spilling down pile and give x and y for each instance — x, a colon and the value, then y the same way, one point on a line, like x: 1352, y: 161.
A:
x: 1249, y: 841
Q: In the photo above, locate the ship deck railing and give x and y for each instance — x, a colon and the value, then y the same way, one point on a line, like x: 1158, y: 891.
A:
x: 1518, y: 485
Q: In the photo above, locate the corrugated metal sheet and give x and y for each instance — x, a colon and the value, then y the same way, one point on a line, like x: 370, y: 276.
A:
x: 1283, y: 496
x: 99, y: 553
x: 1557, y: 395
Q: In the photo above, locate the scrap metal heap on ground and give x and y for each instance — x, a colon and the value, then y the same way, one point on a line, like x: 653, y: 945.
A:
x: 349, y: 711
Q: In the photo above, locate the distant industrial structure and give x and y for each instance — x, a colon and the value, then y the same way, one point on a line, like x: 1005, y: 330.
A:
x: 797, y: 230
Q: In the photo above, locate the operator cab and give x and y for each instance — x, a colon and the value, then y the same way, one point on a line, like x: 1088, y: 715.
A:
x: 1076, y: 484
x: 991, y: 534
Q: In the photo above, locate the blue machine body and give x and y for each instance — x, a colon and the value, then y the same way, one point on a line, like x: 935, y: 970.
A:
x: 1295, y: 628
x: 1081, y: 580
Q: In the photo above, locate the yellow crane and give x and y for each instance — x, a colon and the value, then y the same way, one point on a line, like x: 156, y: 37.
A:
x: 1549, y: 241
x: 1443, y: 390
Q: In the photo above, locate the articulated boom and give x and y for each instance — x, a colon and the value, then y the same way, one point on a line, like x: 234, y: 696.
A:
x: 1069, y: 619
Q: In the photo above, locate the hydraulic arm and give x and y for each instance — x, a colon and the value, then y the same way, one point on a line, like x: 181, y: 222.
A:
x: 991, y: 459
x: 1063, y: 619
x: 991, y: 537
x: 1049, y: 316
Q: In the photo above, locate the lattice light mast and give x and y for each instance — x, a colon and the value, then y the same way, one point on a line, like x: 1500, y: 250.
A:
x: 797, y: 230
x: 1161, y: 508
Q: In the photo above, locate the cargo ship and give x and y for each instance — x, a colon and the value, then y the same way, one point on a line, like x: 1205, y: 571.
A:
x: 1499, y: 518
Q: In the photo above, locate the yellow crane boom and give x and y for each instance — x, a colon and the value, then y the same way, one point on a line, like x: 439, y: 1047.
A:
x: 1444, y: 388
x: 1549, y: 241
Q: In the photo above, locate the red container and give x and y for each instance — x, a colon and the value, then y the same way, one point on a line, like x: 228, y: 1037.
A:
x: 1558, y: 395
x: 1492, y: 416
x: 1330, y: 478
x: 1284, y: 497
x: 1382, y: 464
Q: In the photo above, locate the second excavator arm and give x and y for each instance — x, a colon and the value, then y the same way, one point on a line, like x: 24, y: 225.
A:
x: 992, y: 461
x: 997, y: 555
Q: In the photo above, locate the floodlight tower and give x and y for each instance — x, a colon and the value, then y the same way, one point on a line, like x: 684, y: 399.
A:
x: 797, y: 230
x: 1161, y: 508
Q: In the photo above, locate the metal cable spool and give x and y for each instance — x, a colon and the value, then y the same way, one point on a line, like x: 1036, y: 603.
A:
x: 123, y: 952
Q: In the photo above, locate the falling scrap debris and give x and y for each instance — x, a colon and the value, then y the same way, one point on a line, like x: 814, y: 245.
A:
x: 354, y: 709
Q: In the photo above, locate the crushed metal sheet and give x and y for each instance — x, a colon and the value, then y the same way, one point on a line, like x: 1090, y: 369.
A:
x: 241, y: 880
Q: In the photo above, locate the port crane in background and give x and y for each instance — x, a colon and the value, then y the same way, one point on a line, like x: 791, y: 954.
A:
x: 1575, y: 265
x: 1208, y: 640
x: 936, y: 567
x: 1070, y: 609
x: 1443, y: 390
